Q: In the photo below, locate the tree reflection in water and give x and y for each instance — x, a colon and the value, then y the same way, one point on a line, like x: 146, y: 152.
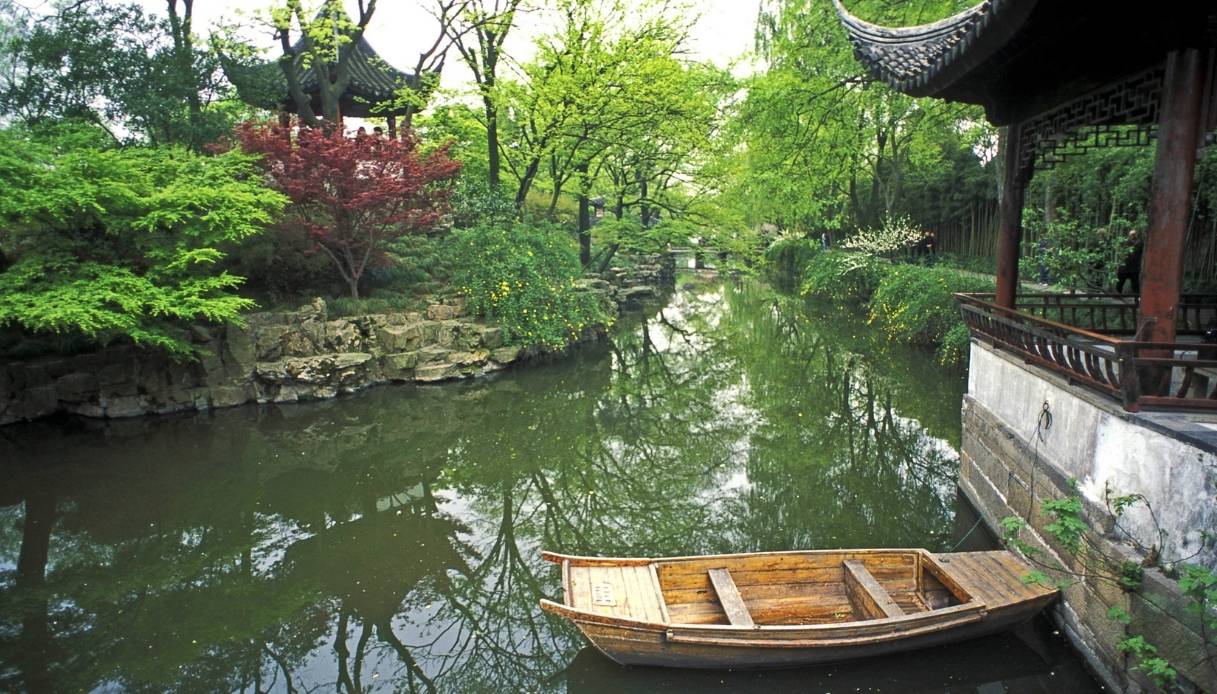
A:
x: 391, y: 540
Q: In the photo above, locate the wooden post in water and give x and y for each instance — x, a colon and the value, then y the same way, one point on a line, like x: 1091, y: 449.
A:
x: 1011, y: 230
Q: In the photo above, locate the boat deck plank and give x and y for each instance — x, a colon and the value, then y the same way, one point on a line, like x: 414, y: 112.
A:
x: 617, y: 591
x: 994, y: 578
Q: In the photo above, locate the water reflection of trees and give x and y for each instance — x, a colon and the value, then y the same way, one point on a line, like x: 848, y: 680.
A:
x: 392, y: 540
x: 833, y: 461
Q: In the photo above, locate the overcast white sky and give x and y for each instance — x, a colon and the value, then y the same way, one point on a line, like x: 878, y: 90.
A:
x: 400, y: 29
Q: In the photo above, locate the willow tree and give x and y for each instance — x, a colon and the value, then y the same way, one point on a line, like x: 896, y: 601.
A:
x: 479, y: 35
x: 605, y: 83
x: 822, y: 144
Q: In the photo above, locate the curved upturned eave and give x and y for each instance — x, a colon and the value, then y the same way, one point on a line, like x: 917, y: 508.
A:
x: 373, y: 82
x: 927, y: 60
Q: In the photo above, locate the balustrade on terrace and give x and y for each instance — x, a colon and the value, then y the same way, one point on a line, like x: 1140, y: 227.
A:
x: 1091, y: 340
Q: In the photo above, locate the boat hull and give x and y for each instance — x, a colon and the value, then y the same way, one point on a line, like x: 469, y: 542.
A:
x: 645, y: 645
x: 809, y: 607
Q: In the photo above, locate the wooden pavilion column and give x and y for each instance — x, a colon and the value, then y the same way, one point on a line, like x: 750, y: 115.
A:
x: 392, y: 123
x: 1170, y: 196
x: 1010, y: 230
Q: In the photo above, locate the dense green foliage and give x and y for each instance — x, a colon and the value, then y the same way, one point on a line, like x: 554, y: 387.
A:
x: 842, y: 277
x: 916, y: 304
x: 912, y: 304
x: 139, y: 75
x: 826, y: 147
x: 525, y: 277
x: 1076, y: 256
x: 610, y: 111
x: 786, y: 258
x: 111, y: 242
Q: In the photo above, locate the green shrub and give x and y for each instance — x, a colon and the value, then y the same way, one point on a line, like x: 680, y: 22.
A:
x: 381, y: 302
x: 985, y: 264
x: 844, y: 277
x: 1076, y: 255
x: 954, y: 347
x: 525, y: 276
x: 787, y: 259
x: 916, y: 305
x: 477, y: 202
x: 110, y: 243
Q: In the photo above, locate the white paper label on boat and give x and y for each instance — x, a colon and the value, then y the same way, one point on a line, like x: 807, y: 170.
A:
x: 602, y: 594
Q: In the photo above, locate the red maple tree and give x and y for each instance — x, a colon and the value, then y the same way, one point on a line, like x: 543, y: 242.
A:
x: 354, y: 195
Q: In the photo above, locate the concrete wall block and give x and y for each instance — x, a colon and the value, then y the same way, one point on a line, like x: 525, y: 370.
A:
x: 1175, y: 641
x: 1101, y: 446
x: 1163, y: 592
x: 1094, y: 441
x: 1106, y: 633
x: 990, y: 466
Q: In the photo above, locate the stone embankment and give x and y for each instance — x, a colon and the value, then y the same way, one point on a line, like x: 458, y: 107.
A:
x: 291, y: 356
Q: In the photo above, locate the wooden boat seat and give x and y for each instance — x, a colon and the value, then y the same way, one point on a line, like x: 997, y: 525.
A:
x: 729, y: 597
x: 866, y: 594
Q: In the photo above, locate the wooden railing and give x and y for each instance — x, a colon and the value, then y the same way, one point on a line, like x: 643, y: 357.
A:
x: 1113, y: 314
x: 1180, y: 375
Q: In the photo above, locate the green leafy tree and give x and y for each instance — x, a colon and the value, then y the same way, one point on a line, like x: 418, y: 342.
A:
x: 608, y: 106
x: 109, y: 242
x: 118, y: 66
x: 824, y: 146
x: 479, y: 35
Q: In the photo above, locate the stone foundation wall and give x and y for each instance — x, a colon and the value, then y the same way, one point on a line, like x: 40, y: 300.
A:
x: 1009, y: 470
x: 290, y: 356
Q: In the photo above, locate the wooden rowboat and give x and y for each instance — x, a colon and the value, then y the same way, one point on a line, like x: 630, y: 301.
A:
x: 789, y: 609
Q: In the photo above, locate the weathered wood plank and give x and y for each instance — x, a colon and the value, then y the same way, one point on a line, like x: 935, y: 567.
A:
x: 840, y: 636
x: 766, y: 610
x: 875, y: 561
x: 659, y: 597
x: 729, y: 597
x: 580, y: 588
x: 644, y: 598
x: 867, y: 628
x: 871, y: 599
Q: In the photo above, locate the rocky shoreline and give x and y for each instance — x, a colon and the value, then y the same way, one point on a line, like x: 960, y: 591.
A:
x: 295, y: 355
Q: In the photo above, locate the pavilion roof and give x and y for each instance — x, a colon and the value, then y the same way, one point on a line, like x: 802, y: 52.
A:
x: 1019, y: 58
x: 373, y: 82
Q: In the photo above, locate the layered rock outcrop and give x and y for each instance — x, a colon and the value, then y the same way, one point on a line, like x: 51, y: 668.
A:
x: 290, y: 356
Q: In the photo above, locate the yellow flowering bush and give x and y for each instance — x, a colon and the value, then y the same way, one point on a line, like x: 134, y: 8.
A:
x: 525, y: 277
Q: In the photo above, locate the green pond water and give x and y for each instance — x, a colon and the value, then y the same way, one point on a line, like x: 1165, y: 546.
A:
x: 390, y: 541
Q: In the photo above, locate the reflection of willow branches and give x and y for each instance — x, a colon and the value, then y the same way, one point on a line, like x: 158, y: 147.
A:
x: 502, y: 638
x: 384, y: 632
x: 283, y: 667
x: 831, y: 453
x: 361, y: 648
x: 685, y: 334
x: 344, y: 653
